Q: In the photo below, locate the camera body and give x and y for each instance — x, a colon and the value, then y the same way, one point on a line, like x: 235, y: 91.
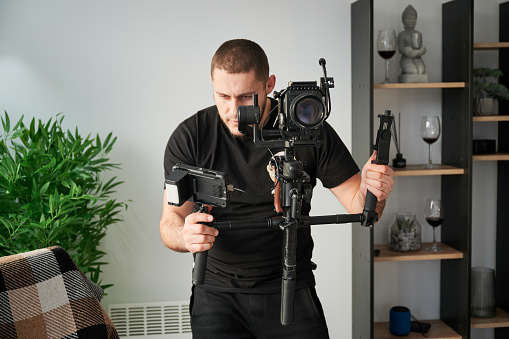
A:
x: 302, y: 110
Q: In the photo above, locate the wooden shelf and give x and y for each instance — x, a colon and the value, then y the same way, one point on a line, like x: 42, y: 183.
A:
x: 420, y: 85
x: 487, y: 118
x: 500, y: 320
x: 438, y: 330
x: 490, y: 45
x: 388, y: 255
x: 416, y: 170
x: 491, y: 157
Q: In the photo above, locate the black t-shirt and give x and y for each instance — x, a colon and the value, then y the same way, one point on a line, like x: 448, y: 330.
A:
x: 251, y: 260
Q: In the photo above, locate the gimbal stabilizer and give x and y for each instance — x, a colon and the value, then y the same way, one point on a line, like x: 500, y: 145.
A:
x: 208, y: 187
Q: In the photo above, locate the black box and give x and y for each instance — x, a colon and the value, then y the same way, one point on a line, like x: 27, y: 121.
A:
x: 484, y: 146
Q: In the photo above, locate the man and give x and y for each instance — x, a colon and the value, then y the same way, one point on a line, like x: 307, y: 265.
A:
x: 241, y: 294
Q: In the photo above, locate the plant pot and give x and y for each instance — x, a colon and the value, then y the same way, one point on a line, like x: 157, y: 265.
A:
x: 484, y: 106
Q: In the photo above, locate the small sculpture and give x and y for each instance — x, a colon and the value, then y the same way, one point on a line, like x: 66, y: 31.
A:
x: 410, y: 46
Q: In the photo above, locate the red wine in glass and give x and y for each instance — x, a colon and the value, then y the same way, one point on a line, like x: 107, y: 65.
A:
x: 430, y: 131
x: 434, y: 214
x: 386, y: 47
x: 430, y: 140
x: 434, y: 222
x: 386, y: 54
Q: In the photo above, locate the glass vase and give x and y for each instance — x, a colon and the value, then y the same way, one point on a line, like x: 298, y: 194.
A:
x: 483, y: 301
x: 405, y: 233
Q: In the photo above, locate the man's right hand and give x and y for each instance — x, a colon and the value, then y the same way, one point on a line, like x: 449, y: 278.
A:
x: 197, y: 236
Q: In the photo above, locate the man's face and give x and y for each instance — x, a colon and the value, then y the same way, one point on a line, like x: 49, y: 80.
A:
x: 236, y: 89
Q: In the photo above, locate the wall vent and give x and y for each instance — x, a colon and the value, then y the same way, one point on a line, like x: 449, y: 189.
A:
x: 152, y: 320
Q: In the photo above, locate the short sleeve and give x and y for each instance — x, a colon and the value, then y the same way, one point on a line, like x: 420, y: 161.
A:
x: 335, y: 163
x: 180, y: 148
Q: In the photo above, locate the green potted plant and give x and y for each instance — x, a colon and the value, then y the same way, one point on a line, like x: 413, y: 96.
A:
x: 486, y: 90
x: 52, y: 193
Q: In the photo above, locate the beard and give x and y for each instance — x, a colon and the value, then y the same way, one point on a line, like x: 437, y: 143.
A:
x: 241, y: 136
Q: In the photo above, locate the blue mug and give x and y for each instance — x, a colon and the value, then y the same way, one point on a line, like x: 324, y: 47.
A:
x: 399, y: 320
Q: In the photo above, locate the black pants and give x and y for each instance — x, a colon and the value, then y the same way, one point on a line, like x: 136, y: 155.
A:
x: 218, y: 315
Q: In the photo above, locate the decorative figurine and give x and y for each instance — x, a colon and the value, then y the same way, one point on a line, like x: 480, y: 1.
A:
x: 410, y: 46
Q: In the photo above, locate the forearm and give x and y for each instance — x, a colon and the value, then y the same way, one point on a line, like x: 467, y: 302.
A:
x: 352, y: 193
x: 172, y: 224
x: 170, y: 228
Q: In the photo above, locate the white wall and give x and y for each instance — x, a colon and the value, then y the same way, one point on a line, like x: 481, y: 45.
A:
x: 138, y: 68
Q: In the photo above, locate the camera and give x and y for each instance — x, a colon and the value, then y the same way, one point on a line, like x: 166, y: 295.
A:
x: 302, y: 108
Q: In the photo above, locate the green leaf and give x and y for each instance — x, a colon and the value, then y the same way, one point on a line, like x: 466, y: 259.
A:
x: 60, y: 146
x: 6, y: 123
x: 19, y: 123
x: 98, y: 142
x: 107, y: 140
x: 44, y: 188
x: 110, y: 146
x: 32, y: 128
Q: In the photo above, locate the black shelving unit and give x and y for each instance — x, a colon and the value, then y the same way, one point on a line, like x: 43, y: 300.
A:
x: 502, y: 260
x: 362, y: 141
x: 456, y: 190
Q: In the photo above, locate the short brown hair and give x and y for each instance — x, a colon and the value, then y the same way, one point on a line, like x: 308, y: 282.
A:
x: 241, y: 56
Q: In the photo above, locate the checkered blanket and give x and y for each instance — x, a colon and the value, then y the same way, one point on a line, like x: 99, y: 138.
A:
x: 44, y: 295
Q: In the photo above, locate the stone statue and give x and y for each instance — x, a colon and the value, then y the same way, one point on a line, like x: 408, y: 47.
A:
x: 411, y: 49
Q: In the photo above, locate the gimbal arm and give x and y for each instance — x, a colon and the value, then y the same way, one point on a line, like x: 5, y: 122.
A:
x: 289, y: 226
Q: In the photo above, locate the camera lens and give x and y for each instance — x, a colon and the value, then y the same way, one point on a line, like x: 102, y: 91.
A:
x: 309, y: 111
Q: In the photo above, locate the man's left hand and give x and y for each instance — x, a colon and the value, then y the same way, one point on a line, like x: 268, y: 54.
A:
x: 378, y: 179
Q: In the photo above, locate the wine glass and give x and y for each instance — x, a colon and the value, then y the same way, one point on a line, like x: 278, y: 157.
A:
x: 430, y: 131
x: 386, y: 45
x: 434, y: 213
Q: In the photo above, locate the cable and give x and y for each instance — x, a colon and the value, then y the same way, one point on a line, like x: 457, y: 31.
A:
x: 326, y: 84
x: 419, y: 327
x: 261, y: 194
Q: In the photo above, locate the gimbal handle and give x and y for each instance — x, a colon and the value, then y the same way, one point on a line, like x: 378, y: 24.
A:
x: 200, y: 260
x: 382, y: 145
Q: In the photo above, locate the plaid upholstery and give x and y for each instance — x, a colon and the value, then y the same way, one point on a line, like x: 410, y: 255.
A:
x: 43, y: 295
